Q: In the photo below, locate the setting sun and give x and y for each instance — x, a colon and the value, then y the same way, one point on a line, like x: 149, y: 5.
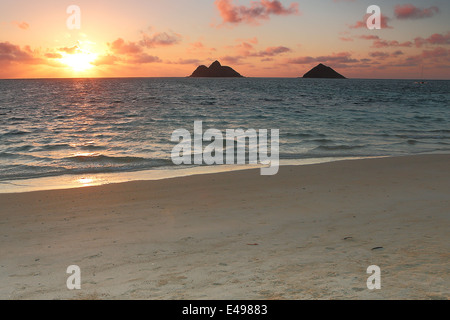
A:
x: 80, y: 61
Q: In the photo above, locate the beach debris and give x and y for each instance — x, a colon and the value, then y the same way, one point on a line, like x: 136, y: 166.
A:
x: 252, y: 244
x: 348, y: 238
x: 377, y: 248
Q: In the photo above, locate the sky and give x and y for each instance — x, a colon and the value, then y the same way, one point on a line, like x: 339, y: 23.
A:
x: 258, y: 38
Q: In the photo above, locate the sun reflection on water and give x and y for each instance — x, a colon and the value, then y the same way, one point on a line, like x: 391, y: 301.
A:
x: 86, y: 181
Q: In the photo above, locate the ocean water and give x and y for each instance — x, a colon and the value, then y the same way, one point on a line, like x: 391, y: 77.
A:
x: 96, y: 126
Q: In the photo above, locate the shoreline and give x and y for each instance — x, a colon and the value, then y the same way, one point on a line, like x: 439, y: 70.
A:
x: 309, y: 232
x: 73, y: 181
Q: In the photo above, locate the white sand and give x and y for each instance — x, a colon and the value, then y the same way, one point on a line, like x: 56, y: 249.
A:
x: 306, y: 233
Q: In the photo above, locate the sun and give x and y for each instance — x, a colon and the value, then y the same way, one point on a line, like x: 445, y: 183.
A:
x: 79, y: 61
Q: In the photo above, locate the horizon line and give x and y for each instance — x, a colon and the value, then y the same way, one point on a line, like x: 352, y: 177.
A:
x: 244, y: 77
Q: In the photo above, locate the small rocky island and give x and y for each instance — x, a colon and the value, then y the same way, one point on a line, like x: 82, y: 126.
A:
x: 216, y: 70
x: 323, y: 72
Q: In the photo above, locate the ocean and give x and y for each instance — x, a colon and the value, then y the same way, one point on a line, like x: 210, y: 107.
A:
x: 79, y: 127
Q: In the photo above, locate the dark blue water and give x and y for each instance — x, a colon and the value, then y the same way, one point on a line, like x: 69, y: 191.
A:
x: 75, y: 126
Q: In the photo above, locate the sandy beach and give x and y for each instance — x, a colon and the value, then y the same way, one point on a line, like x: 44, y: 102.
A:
x: 310, y: 232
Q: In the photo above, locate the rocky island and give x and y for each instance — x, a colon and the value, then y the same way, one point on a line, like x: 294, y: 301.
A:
x: 324, y: 72
x: 215, y: 70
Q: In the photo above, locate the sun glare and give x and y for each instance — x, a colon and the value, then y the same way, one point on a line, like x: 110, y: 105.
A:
x: 80, y: 61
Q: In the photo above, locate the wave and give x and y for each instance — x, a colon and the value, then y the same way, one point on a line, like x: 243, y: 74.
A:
x: 23, y: 148
x: 316, y: 119
x: 322, y: 140
x: 339, y: 147
x: 421, y: 136
x: 53, y: 147
x: 16, y: 132
x: 7, y: 155
x: 20, y: 172
x: 271, y: 99
x: 100, y: 158
x: 439, y: 131
x: 302, y: 135
x: 17, y: 119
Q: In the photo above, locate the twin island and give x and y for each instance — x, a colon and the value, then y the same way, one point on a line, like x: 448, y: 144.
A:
x: 216, y: 70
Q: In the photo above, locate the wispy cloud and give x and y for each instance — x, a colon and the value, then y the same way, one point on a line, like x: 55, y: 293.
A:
x: 379, y: 43
x: 409, y: 11
x: 341, y: 57
x: 185, y: 61
x: 120, y: 46
x: 255, y: 12
x: 134, y: 52
x: 434, y: 39
x: 22, y: 25
x: 160, y: 39
x: 69, y: 50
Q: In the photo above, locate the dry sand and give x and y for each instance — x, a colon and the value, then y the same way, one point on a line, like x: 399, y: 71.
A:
x: 306, y: 233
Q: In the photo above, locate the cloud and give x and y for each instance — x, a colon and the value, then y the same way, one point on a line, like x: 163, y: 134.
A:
x: 369, y: 37
x: 51, y: 55
x: 129, y: 58
x: 434, y: 39
x: 341, y: 57
x: 409, y: 11
x: 247, y: 49
x: 148, y: 41
x: 185, y: 61
x: 119, y: 46
x: 379, y: 43
x: 131, y: 52
x: 13, y: 53
x: 258, y: 10
x: 411, y: 61
x: 198, y: 47
x: 271, y: 51
x: 363, y: 24
x: 22, y: 25
x: 378, y: 54
x: 70, y: 50
x: 144, y: 58
x: 436, y: 53
x: 160, y: 39
x: 105, y: 60
x: 437, y: 57
x: 385, y: 55
x: 231, y: 59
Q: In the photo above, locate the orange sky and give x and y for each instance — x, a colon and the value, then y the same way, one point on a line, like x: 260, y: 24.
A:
x: 259, y: 38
